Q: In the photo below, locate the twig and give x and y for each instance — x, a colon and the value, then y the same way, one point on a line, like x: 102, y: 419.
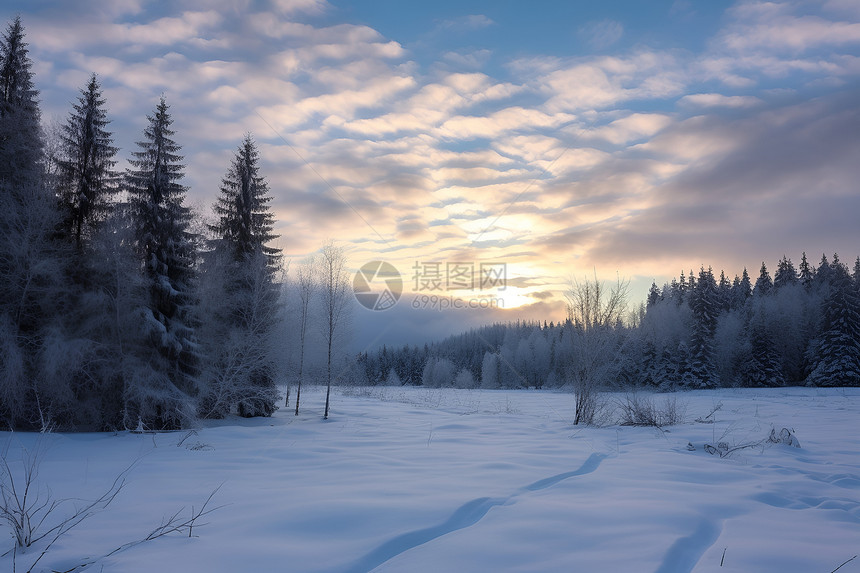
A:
x: 844, y: 563
x: 705, y: 419
x: 174, y: 524
x: 188, y: 435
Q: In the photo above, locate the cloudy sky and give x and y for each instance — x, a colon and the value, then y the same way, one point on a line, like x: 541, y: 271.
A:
x: 624, y: 138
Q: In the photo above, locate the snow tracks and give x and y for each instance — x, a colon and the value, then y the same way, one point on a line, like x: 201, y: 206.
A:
x: 465, y: 516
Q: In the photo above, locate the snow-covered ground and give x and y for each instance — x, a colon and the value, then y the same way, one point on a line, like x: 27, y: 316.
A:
x: 457, y: 480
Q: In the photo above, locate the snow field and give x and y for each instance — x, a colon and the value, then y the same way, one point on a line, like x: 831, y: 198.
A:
x: 411, y: 479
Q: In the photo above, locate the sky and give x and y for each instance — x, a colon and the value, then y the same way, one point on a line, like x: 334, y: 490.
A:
x: 560, y: 140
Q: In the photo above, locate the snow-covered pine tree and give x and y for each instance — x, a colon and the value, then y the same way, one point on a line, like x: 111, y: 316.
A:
x: 785, y: 274
x: 763, y: 284
x: 856, y: 275
x: 490, y: 370
x: 30, y: 278
x: 763, y: 366
x: 249, y: 308
x: 86, y: 176
x: 806, y: 274
x: 653, y: 295
x: 823, y: 274
x: 741, y: 290
x: 20, y: 129
x: 836, y: 353
x: 724, y: 292
x: 704, y: 304
x: 245, y: 220
x: 166, y: 249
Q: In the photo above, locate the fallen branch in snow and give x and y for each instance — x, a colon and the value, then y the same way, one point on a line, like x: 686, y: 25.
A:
x: 709, y: 419
x: 785, y: 436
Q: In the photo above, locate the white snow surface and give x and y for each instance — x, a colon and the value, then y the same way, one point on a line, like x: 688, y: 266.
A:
x: 411, y: 479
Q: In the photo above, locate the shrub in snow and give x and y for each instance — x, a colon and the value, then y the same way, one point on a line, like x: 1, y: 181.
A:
x: 637, y: 410
x: 438, y: 372
x: 38, y: 520
x: 464, y: 379
x: 393, y: 379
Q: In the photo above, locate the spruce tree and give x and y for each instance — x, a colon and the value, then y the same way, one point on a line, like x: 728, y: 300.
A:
x: 741, y: 290
x: 166, y: 250
x: 29, y: 266
x: 87, y: 178
x: 856, y: 275
x: 245, y: 220
x: 724, y: 292
x: 763, y: 367
x: 823, y: 273
x: 785, y: 274
x: 20, y: 129
x: 653, y: 295
x: 244, y: 229
x: 836, y: 353
x: 763, y: 284
x: 704, y: 304
x: 806, y: 272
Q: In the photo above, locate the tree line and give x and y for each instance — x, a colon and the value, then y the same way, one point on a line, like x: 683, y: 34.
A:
x: 800, y: 326
x: 119, y: 306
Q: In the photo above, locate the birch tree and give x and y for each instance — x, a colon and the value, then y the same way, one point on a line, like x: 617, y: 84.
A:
x: 334, y: 283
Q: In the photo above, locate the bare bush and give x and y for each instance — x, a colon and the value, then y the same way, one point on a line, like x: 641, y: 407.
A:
x: 594, y: 314
x: 31, y: 511
x: 38, y: 519
x: 173, y: 524
x: 638, y: 410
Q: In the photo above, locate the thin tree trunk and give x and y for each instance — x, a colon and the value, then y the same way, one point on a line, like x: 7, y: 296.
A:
x: 328, y: 383
x: 301, y: 369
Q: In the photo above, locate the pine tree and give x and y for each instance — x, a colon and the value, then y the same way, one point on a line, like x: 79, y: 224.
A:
x: 20, y: 130
x: 806, y: 273
x: 30, y: 279
x: 704, y: 305
x: 741, y: 290
x: 836, y: 354
x: 245, y: 221
x: 653, y: 295
x: 763, y: 284
x: 763, y: 367
x: 243, y: 229
x: 724, y: 292
x: 785, y: 274
x: 856, y: 275
x: 166, y: 249
x: 87, y: 178
x: 823, y: 273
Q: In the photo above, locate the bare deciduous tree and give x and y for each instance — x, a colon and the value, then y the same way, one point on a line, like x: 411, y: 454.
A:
x: 594, y: 311
x: 334, y: 284
x: 307, y: 286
